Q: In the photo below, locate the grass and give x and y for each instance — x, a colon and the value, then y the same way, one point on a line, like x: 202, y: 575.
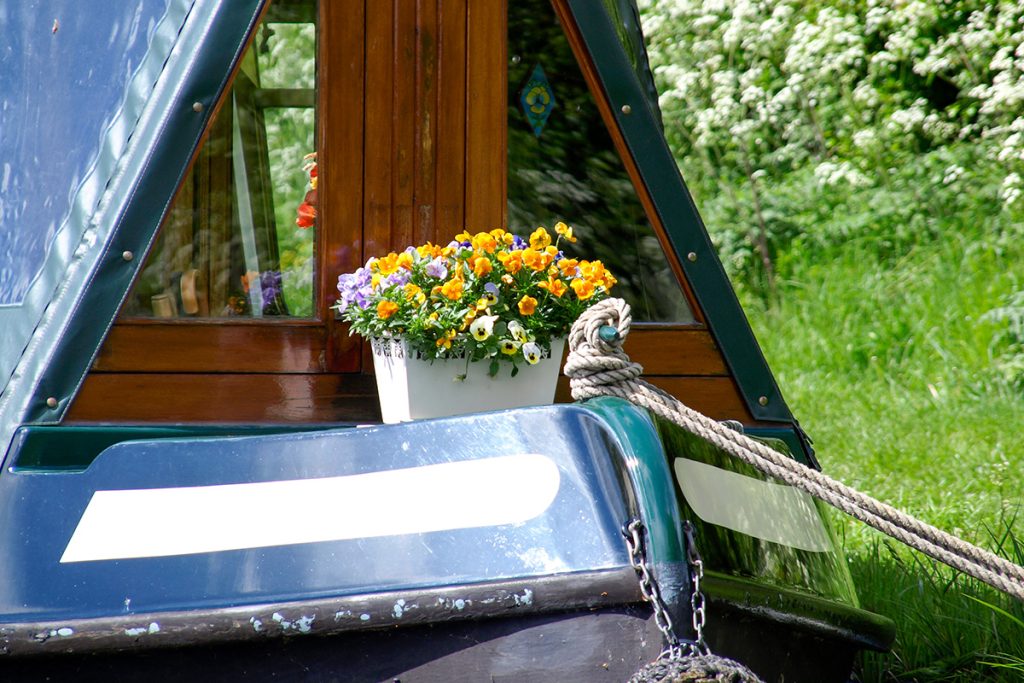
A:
x: 892, y: 367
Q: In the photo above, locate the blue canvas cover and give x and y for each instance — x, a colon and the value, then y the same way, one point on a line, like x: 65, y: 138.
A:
x: 101, y: 105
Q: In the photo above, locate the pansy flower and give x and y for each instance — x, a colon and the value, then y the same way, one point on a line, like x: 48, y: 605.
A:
x: 518, y: 332
x: 491, y: 293
x: 509, y: 346
x: 483, y: 327
x: 531, y: 352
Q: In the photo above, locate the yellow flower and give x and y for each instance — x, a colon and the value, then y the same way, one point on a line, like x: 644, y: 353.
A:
x: 527, y: 305
x: 584, y: 288
x: 386, y: 309
x: 429, y: 251
x: 509, y: 346
x: 405, y: 260
x: 375, y: 280
x: 485, y: 242
x: 565, y: 231
x: 414, y: 293
x: 481, y: 304
x: 446, y: 339
x: 452, y: 289
x: 540, y: 238
x: 501, y: 236
x: 463, y: 237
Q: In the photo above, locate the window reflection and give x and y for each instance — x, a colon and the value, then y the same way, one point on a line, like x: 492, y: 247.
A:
x: 231, y: 245
x: 563, y: 166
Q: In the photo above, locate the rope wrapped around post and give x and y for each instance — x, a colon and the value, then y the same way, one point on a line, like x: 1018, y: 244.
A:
x: 598, y: 366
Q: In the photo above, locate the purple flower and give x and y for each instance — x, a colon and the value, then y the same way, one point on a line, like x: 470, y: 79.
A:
x: 519, y: 243
x: 399, y: 277
x: 436, y: 268
x: 270, y: 286
x: 355, y: 288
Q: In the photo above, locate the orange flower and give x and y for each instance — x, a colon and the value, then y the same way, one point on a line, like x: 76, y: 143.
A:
x: 386, y: 265
x: 584, y: 288
x: 453, y: 289
x: 414, y: 293
x: 386, y: 309
x: 568, y: 266
x: 527, y: 305
x: 482, y: 266
x: 512, y: 260
x: 537, y: 260
x: 554, y: 285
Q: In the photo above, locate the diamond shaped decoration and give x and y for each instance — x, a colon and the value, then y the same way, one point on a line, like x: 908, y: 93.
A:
x: 537, y: 100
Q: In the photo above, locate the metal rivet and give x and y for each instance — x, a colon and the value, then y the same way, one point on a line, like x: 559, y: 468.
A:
x: 127, y: 255
x: 763, y: 400
x: 51, y: 402
x: 692, y: 256
x: 516, y: 59
x: 197, y: 107
x: 626, y: 109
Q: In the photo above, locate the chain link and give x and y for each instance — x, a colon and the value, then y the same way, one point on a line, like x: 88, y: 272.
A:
x: 697, y: 604
x: 649, y: 588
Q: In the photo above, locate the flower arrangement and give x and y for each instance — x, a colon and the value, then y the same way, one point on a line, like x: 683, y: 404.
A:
x: 493, y: 296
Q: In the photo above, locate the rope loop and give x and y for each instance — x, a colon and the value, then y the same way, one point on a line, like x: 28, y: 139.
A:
x: 597, y: 366
x: 596, y: 362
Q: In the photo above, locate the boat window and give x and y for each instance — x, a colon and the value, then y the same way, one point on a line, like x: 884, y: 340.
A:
x: 563, y: 165
x: 239, y: 239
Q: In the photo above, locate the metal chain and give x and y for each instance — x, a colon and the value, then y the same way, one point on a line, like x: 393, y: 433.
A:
x: 649, y: 588
x: 697, y: 604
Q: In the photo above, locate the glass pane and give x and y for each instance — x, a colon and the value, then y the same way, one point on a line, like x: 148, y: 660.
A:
x: 563, y: 166
x: 239, y: 239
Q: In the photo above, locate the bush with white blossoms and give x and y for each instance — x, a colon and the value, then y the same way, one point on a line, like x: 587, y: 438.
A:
x: 491, y: 296
x: 780, y: 111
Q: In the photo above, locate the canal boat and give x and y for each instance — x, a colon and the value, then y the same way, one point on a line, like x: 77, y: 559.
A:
x: 196, y: 480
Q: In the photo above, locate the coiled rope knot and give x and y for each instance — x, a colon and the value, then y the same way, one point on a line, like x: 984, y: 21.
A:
x: 597, y: 365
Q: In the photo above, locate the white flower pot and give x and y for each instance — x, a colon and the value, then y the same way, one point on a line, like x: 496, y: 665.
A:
x: 412, y: 388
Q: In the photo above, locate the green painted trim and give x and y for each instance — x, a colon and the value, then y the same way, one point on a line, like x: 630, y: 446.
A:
x: 58, y: 448
x: 638, y: 439
x: 202, y: 80
x: 678, y: 214
x: 835, y: 619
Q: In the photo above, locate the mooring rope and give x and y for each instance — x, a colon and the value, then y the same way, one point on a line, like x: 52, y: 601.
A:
x: 597, y: 366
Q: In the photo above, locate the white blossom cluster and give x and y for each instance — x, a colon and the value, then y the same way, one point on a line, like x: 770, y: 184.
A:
x: 778, y: 85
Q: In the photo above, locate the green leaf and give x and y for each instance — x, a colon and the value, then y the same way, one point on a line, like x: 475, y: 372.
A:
x: 493, y: 370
